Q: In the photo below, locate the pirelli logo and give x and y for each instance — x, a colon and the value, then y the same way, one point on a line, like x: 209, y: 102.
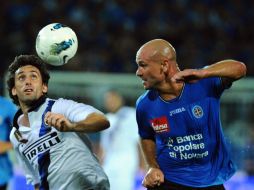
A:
x: 41, y: 145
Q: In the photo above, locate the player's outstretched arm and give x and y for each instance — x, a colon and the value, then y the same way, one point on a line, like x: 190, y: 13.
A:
x: 229, y: 69
x: 154, y: 177
x: 94, y: 122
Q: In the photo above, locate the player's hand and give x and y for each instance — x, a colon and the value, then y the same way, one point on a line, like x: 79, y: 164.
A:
x: 154, y: 177
x: 58, y: 121
x: 188, y: 75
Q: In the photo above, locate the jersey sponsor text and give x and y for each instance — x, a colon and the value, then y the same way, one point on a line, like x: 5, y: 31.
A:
x: 184, y: 147
x: 42, y: 145
x: 160, y: 124
x: 176, y: 111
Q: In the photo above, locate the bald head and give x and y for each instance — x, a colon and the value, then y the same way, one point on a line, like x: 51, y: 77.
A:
x: 156, y: 49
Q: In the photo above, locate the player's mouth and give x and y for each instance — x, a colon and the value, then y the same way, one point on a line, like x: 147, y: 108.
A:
x: 143, y: 81
x: 28, y: 90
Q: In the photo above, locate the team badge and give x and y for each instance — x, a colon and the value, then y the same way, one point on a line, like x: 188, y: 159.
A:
x: 197, y: 111
x: 160, y: 124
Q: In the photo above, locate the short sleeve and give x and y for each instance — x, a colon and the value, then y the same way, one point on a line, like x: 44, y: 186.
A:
x: 144, y: 128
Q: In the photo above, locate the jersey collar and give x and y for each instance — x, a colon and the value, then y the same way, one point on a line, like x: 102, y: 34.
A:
x: 35, y: 106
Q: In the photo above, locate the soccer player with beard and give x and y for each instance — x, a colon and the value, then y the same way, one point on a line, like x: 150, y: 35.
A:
x: 49, y: 136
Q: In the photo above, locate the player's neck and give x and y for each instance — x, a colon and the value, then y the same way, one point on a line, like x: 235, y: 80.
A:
x: 25, y: 120
x: 171, y: 91
x: 24, y: 108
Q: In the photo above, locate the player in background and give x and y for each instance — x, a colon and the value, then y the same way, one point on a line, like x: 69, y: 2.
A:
x: 49, y: 136
x: 179, y: 119
x: 7, y: 112
x: 120, y: 143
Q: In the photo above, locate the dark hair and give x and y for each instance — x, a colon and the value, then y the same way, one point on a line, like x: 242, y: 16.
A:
x: 23, y: 60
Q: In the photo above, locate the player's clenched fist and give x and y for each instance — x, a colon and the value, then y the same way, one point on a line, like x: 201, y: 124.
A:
x: 58, y: 121
x: 153, y: 178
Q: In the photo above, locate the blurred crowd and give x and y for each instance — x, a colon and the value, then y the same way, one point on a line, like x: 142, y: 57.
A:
x: 109, y: 32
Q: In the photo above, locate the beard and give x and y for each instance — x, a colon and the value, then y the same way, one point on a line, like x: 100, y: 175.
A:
x: 30, y: 103
x: 33, y: 103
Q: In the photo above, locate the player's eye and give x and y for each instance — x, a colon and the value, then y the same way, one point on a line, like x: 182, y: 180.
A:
x: 21, y: 77
x: 34, y: 77
x: 142, y: 65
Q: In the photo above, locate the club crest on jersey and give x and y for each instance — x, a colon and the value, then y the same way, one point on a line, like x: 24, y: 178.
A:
x: 197, y: 111
x: 160, y: 124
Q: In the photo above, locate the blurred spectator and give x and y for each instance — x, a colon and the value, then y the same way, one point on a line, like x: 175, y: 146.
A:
x: 7, y: 112
x: 120, y: 150
x: 109, y: 32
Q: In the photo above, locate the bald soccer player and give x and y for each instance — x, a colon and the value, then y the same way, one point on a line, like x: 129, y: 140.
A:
x: 179, y: 120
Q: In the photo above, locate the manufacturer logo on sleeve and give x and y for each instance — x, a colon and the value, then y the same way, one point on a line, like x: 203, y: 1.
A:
x: 160, y: 124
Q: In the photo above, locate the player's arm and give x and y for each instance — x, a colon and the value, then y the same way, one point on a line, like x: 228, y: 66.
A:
x: 94, y: 122
x: 154, y: 176
x: 229, y: 70
x: 5, y: 146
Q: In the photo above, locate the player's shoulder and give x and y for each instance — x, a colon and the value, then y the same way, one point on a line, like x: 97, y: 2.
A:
x: 62, y: 105
x: 13, y: 138
x: 2, y: 99
x: 205, y: 83
x: 63, y: 101
x: 147, y: 97
x: 210, y: 79
x: 5, y: 101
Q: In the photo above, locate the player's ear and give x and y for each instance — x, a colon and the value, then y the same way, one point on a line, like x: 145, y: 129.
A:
x: 164, y: 66
x: 13, y: 91
x: 44, y: 88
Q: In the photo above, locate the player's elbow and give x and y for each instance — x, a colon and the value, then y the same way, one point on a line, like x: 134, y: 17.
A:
x: 107, y: 124
x: 242, y: 70
x: 104, y: 122
x: 101, y: 124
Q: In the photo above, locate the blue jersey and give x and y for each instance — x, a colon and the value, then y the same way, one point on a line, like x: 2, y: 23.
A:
x: 191, y: 149
x: 7, y: 112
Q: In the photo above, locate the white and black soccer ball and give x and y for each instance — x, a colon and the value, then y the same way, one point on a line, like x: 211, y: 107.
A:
x: 56, y: 44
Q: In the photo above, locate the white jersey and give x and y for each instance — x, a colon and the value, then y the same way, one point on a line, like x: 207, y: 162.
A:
x: 58, y: 160
x: 120, y: 145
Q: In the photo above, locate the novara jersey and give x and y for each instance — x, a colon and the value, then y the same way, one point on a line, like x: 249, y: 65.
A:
x: 58, y: 160
x: 187, y: 131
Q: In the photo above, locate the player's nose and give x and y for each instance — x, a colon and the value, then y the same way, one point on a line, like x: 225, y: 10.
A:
x: 138, y: 72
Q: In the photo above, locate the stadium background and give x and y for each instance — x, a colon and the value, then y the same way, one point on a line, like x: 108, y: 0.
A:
x: 109, y: 34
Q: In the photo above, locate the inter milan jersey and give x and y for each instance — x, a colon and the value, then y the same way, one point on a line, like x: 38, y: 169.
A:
x: 58, y: 160
x: 187, y: 131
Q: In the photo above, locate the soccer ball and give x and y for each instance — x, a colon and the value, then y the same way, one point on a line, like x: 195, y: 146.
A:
x: 56, y: 44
